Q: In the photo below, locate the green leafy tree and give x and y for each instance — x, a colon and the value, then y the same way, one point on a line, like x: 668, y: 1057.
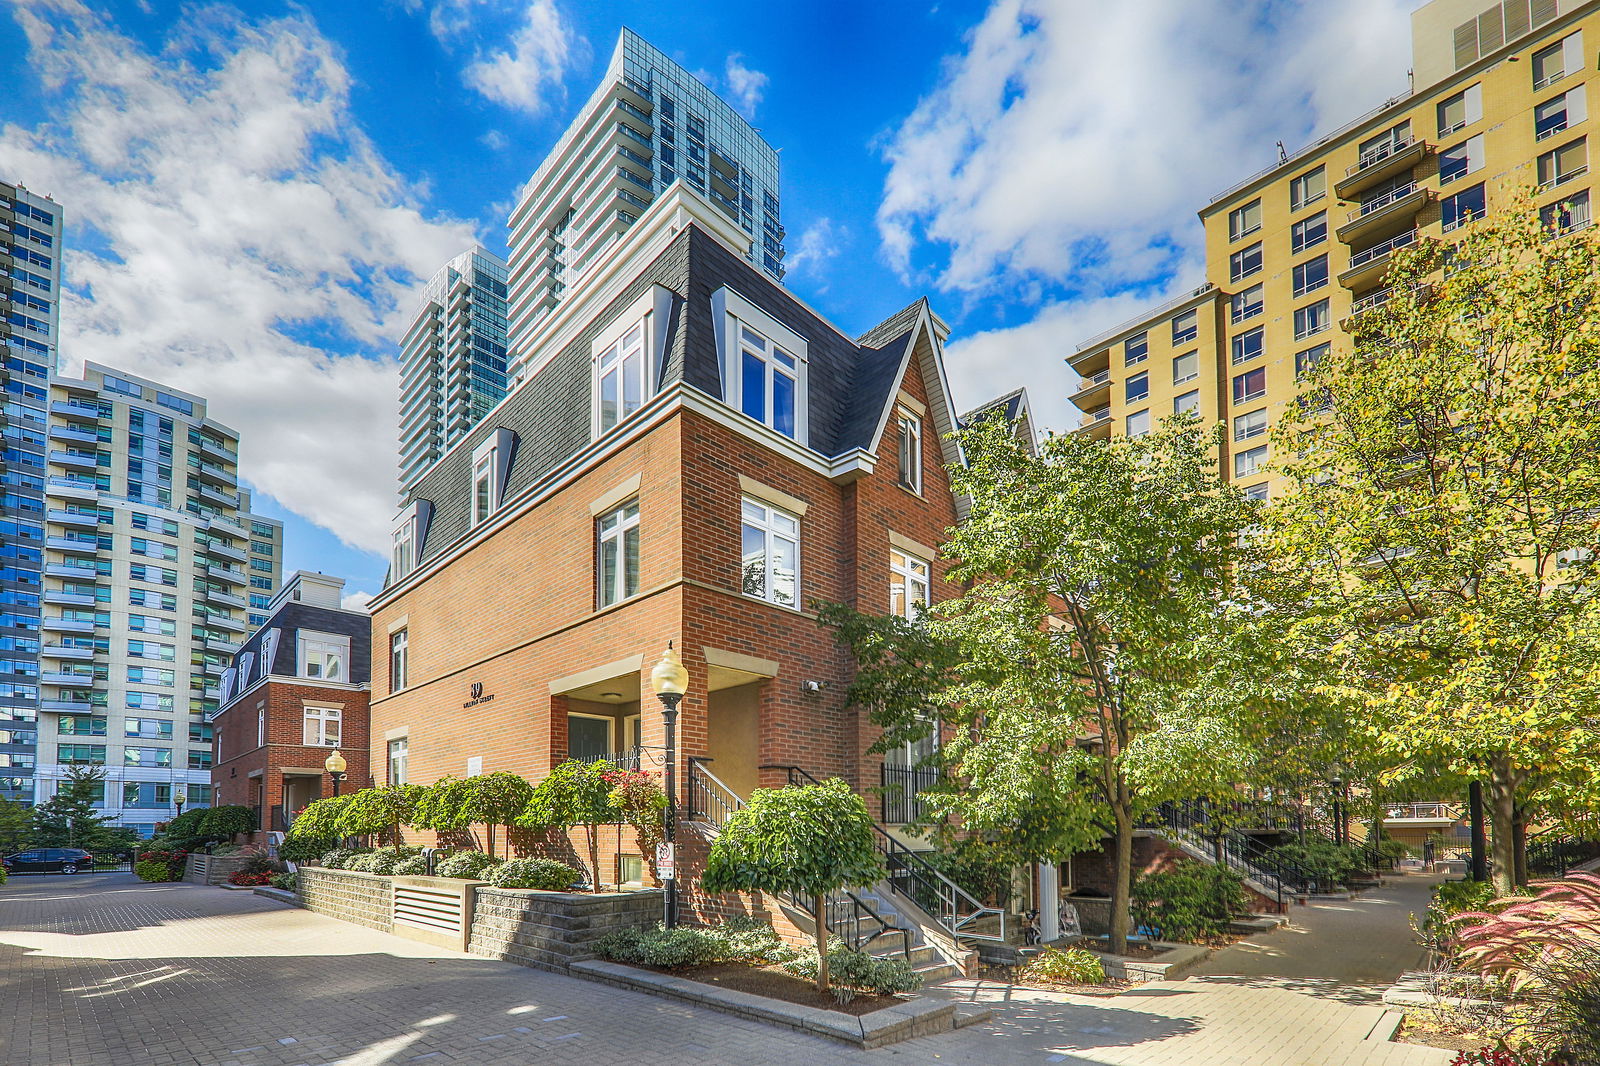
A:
x: 228, y: 821
x: 487, y: 800
x: 380, y: 812
x: 321, y: 821
x: 1441, y: 519
x: 1076, y: 678
x: 810, y: 841
x: 15, y: 826
x: 574, y: 794
x: 69, y: 819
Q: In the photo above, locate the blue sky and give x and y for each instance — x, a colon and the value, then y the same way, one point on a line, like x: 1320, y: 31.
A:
x: 254, y: 191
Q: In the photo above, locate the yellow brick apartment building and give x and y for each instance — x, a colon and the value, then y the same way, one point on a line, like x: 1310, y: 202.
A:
x: 1500, y: 101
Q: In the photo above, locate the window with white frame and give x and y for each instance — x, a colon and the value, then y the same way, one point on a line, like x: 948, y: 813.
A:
x: 1308, y: 188
x: 402, y: 554
x: 769, y: 559
x: 1250, y: 424
x: 1189, y: 401
x: 321, y: 726
x: 491, y: 460
x: 769, y: 381
x: 1138, y: 423
x: 1250, y: 462
x: 617, y: 557
x: 399, y: 758
x: 910, y: 447
x: 621, y: 377
x: 324, y: 657
x: 909, y: 590
x: 482, y: 487
x: 399, y: 652
x: 1185, y: 367
x: 1243, y: 221
x: 1308, y: 232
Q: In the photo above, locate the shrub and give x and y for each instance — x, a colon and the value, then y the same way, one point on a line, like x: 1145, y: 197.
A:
x: 307, y: 849
x: 160, y: 865
x: 340, y: 858
x: 1328, y: 863
x: 1391, y: 851
x: 547, y: 874
x: 1074, y: 966
x: 468, y: 865
x: 855, y: 972
x: 739, y: 940
x: 287, y: 882
x: 979, y: 866
x: 1490, y: 1056
x: 383, y: 861
x: 411, y: 866
x: 1190, y: 903
x: 1450, y: 899
x: 241, y: 877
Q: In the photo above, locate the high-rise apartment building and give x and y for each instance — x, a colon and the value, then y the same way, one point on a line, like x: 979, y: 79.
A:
x: 150, y: 555
x: 650, y: 123
x: 452, y: 360
x: 1500, y: 101
x: 30, y: 286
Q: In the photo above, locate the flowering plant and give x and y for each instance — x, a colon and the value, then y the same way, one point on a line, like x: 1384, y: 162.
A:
x: 243, y: 878
x: 641, y: 801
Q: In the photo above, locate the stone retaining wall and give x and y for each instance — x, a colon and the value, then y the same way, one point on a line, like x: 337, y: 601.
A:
x: 552, y: 930
x: 365, y: 899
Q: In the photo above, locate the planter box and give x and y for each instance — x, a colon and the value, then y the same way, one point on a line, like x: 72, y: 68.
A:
x: 552, y: 930
x: 202, y: 869
x: 1169, y: 961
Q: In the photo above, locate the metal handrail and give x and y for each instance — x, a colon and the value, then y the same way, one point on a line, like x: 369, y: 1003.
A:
x: 1393, y: 196
x: 844, y: 911
x: 1367, y: 255
x: 955, y: 908
x: 1378, y: 155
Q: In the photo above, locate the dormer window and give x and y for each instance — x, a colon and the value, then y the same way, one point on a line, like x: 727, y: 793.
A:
x: 324, y: 657
x: 627, y: 359
x: 490, y: 462
x: 764, y: 365
x: 409, y: 531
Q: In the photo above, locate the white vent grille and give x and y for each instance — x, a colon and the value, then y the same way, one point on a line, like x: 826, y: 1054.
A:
x: 427, y: 908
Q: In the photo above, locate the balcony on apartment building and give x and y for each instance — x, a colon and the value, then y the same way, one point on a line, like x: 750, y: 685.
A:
x: 1096, y: 424
x: 1390, y: 211
x: 74, y: 545
x: 1093, y: 391
x: 71, y: 488
x: 61, y: 598
x: 66, y: 706
x: 220, y: 550
x: 1367, y: 266
x: 214, y: 595
x: 73, y: 409
x: 76, y: 519
x: 1386, y: 161
x: 1371, y: 302
x: 75, y: 460
x: 53, y: 624
x: 217, y: 497
x: 70, y: 678
x: 231, y: 625
x: 67, y: 651
x: 70, y: 568
x: 230, y: 574
x: 219, y: 644
x: 213, y: 448
x: 74, y: 434
x: 1422, y: 815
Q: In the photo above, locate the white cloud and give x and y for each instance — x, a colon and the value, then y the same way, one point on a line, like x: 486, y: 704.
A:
x: 1075, y: 136
x: 528, y: 74
x: 1062, y: 157
x: 355, y: 601
x: 745, y: 85
x: 495, y: 140
x: 232, y: 231
x: 819, y: 243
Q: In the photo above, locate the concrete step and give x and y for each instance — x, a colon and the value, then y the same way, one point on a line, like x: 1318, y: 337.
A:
x: 934, y: 972
x: 971, y: 1014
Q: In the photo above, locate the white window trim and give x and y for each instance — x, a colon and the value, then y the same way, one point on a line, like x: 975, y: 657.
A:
x: 493, y: 454
x: 402, y: 635
x: 322, y: 714
x: 411, y: 523
x: 768, y: 584
x: 906, y: 574
x: 903, y: 420
x: 729, y: 309
x: 618, y: 534
x: 650, y: 311
x: 338, y: 640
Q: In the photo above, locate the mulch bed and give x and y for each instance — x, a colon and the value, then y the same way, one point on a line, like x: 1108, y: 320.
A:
x: 1427, y: 1031
x: 1012, y: 975
x: 776, y: 983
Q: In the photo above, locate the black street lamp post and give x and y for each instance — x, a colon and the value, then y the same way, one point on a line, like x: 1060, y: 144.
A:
x: 670, y: 680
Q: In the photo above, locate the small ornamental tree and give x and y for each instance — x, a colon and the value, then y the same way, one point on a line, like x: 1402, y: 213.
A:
x: 224, y: 823
x: 380, y: 812
x: 638, y: 798
x: 574, y: 794
x: 809, y: 840
x: 487, y: 800
x: 321, y: 820
x: 69, y: 818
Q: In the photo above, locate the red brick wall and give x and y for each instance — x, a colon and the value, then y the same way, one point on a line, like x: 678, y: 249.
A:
x: 237, y: 752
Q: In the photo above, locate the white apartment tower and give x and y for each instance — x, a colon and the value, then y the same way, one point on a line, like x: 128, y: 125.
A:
x: 452, y: 359
x: 152, y: 562
x: 650, y: 123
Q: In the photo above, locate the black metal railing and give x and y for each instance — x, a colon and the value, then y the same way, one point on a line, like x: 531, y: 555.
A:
x: 1205, y: 828
x: 914, y: 877
x: 901, y: 786
x: 846, y: 915
x: 638, y: 757
x: 1556, y: 852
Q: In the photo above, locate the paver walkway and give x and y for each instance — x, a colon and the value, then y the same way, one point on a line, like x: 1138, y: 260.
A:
x: 1352, y: 949
x: 107, y: 971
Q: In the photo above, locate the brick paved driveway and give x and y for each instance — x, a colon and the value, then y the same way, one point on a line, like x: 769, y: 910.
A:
x: 106, y: 970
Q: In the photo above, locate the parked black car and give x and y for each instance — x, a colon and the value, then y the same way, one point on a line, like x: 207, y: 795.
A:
x: 49, y: 860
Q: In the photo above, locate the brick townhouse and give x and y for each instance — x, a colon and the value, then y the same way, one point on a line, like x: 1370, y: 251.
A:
x: 296, y: 692
x: 693, y: 455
